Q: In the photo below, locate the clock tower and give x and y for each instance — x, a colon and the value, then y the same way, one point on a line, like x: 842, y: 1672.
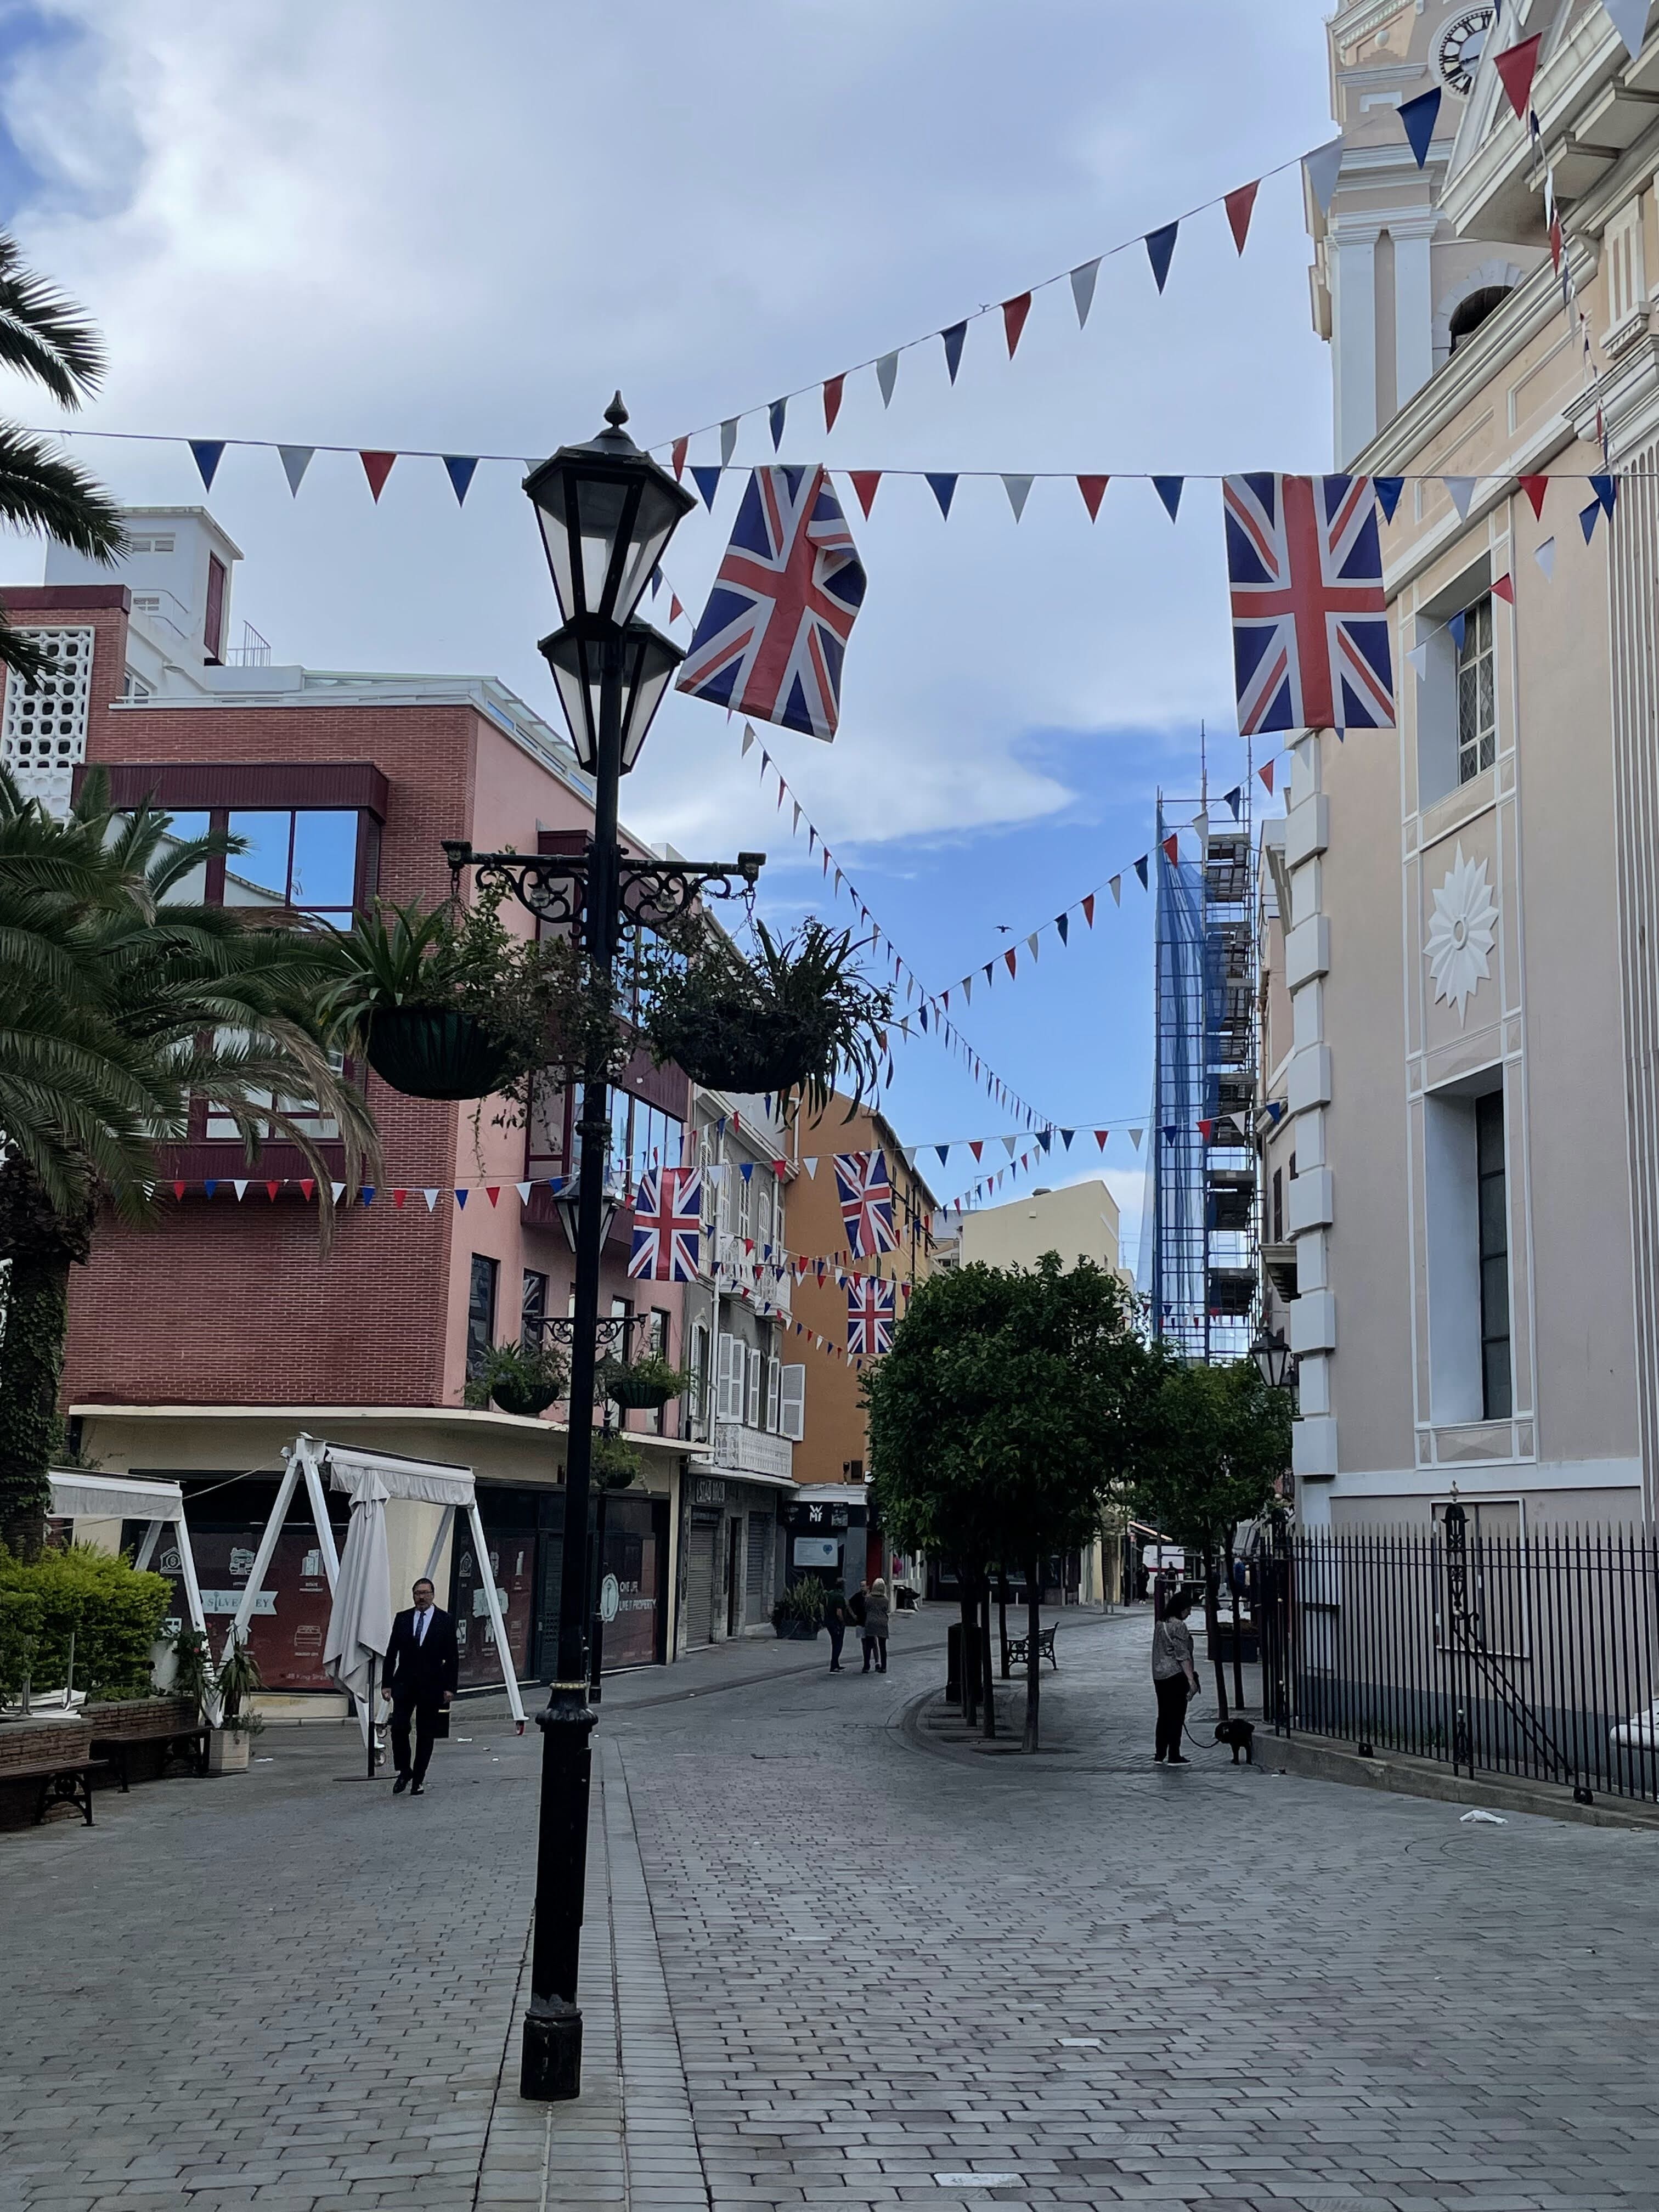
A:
x: 1394, y: 289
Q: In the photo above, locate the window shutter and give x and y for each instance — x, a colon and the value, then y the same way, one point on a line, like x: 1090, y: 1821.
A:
x: 791, y: 1420
x: 772, y: 1388
x: 723, y: 1406
x: 754, y: 1412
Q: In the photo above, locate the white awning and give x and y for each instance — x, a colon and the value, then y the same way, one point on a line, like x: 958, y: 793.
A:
x: 429, y: 1479
x: 113, y: 1498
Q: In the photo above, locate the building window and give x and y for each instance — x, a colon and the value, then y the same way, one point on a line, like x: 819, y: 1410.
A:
x: 1278, y: 1236
x: 133, y: 685
x: 481, y: 1310
x: 305, y: 859
x: 1496, y: 1393
x: 1468, y: 314
x: 213, y: 629
x: 1477, y: 717
x: 533, y: 1310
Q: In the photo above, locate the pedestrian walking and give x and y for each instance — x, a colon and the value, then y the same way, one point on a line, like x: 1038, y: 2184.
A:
x: 1175, y: 1676
x: 423, y: 1665
x: 835, y: 1619
x: 874, y: 1629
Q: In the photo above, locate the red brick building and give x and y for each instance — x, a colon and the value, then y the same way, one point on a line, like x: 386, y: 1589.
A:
x: 199, y: 1349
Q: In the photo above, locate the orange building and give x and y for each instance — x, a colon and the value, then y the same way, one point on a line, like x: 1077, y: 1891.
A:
x: 833, y: 1449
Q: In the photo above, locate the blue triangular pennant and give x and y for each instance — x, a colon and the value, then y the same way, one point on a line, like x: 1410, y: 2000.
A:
x: 208, y: 1188
x: 1233, y: 797
x: 953, y: 338
x: 1457, y: 626
x: 460, y: 468
x: 366, y: 1194
x: 708, y: 481
x: 1063, y: 925
x: 1388, y: 490
x: 207, y: 453
x: 1169, y: 490
x: 1587, y: 519
x: 1141, y: 870
x: 460, y: 1197
x: 944, y: 490
x: 775, y: 415
x: 1607, y: 490
x: 1160, y: 249
x: 1418, y: 117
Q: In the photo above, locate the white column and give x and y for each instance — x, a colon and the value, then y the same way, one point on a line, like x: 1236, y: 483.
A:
x: 1414, y: 307
x: 1352, y: 265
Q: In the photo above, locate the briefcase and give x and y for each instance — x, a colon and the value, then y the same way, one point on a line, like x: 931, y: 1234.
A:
x: 441, y: 1724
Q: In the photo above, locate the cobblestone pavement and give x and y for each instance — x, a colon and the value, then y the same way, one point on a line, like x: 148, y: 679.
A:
x: 827, y: 1967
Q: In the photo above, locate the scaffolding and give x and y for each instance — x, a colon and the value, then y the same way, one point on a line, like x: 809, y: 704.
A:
x: 1204, y: 1215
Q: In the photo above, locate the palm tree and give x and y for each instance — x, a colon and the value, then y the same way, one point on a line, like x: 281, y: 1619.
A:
x: 45, y: 338
x: 121, y: 1001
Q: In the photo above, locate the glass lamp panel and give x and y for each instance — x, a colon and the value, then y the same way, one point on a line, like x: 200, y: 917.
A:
x: 579, y: 697
x: 643, y: 703
x: 602, y: 506
x: 549, y: 513
x: 654, y: 522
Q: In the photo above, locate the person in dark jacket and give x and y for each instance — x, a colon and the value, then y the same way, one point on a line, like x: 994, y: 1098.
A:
x: 1175, y: 1677
x: 835, y: 1619
x: 873, y: 1627
x: 423, y: 1665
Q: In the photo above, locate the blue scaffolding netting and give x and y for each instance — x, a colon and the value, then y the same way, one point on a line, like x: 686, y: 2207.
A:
x: 1202, y: 1217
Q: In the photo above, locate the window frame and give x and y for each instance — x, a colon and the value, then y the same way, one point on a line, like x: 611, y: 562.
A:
x: 485, y: 1269
x: 1477, y: 658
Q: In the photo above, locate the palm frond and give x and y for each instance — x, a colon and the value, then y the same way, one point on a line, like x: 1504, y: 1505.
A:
x: 40, y: 489
x: 45, y: 336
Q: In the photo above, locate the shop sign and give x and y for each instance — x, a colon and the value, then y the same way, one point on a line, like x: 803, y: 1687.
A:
x: 818, y: 1516
x: 707, y: 1489
x: 609, y: 1598
x: 818, y: 1552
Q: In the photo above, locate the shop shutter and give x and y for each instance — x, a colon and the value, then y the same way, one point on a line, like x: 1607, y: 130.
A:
x: 760, y: 1526
x: 791, y: 1403
x: 772, y: 1385
x: 700, y: 1579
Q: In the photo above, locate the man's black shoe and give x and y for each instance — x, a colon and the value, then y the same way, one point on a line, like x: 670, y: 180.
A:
x: 417, y: 1788
x: 400, y: 1785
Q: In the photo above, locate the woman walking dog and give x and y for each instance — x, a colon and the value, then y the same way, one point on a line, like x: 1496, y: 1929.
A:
x: 1175, y: 1677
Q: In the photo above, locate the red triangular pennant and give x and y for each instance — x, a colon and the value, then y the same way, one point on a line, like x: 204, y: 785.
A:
x: 1014, y: 312
x: 1265, y: 772
x: 864, y: 483
x: 1239, y: 205
x: 1009, y: 957
x: 1094, y: 490
x: 272, y: 1189
x: 1101, y: 1136
x: 397, y: 1198
x: 307, y: 1186
x: 179, y: 1190
x: 680, y: 445
x: 1172, y: 850
x: 377, y: 467
x: 833, y: 387
x: 1088, y: 910
x: 1535, y: 487
x: 1504, y: 588
x: 1517, y: 67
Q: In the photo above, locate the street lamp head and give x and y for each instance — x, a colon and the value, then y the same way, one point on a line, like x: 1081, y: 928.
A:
x: 567, y: 1205
x: 583, y: 652
x: 606, y: 511
x: 1273, y: 1359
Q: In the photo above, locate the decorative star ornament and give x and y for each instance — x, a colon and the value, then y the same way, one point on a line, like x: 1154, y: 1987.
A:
x: 1462, y: 934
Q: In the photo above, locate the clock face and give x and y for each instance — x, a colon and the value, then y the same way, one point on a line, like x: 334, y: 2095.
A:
x: 1461, y: 43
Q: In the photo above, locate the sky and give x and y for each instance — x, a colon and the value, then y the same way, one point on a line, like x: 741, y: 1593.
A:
x: 388, y: 225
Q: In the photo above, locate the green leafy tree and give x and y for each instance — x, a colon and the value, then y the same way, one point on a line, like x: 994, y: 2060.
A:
x: 121, y: 1001
x: 1216, y: 1441
x: 1009, y: 1407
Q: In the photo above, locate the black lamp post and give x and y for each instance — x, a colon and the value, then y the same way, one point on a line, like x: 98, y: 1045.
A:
x: 606, y: 511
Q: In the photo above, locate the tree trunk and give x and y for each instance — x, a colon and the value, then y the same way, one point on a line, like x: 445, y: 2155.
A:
x: 1213, y: 1629
x: 1033, y: 1679
x: 987, y: 1674
x: 41, y: 1246
x: 1232, y: 1599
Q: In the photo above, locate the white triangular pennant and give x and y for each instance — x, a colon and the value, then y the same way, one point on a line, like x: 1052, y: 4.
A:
x: 811, y: 1168
x: 523, y: 1189
x: 1460, y: 491
x: 748, y: 738
x: 1011, y: 1144
x: 1018, y: 489
x: 1630, y: 20
x: 1082, y: 289
x: 887, y: 376
x: 1544, y: 556
x: 1134, y: 1137
x: 1418, y: 658
x: 241, y: 1189
x: 431, y: 1198
x: 1031, y: 945
x: 728, y: 440
x: 338, y: 1189
x: 1320, y: 167
x: 295, y: 460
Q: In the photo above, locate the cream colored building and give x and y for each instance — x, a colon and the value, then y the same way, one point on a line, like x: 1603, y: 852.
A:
x: 1079, y: 1221
x: 1466, y: 1041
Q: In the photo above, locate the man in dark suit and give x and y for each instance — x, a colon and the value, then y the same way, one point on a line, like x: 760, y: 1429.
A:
x: 422, y: 1668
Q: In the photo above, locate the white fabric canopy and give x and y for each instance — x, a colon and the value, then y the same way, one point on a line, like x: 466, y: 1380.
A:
x: 403, y: 1478
x: 359, y: 1625
x: 113, y: 1498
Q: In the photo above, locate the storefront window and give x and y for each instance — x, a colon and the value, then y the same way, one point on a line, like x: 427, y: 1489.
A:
x: 304, y: 857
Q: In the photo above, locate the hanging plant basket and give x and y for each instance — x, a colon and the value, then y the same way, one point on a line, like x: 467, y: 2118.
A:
x: 737, y: 1047
x: 426, y: 1052
x: 643, y: 1386
x: 525, y: 1400
x: 525, y: 1382
x: 615, y: 1461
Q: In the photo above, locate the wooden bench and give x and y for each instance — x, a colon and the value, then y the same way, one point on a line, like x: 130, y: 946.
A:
x: 1017, y: 1651
x: 189, y: 1744
x: 62, y: 1782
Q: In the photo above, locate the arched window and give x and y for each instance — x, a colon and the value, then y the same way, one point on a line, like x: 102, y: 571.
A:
x: 1468, y: 314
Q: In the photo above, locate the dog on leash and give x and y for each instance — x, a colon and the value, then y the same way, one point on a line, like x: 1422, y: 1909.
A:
x: 1241, y: 1735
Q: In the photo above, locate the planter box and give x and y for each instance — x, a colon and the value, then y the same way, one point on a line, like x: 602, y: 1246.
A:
x: 227, y: 1751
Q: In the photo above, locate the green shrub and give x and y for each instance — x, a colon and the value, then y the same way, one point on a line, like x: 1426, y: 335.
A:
x: 114, y: 1612
x: 20, y: 1639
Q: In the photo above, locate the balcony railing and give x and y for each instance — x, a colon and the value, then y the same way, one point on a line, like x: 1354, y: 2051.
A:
x: 752, y: 1451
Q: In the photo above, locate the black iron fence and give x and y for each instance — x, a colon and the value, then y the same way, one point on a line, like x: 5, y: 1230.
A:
x: 1531, y: 1655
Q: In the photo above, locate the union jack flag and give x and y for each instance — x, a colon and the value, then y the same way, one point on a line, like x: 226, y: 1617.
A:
x: 667, y: 1226
x: 866, y: 1203
x: 1310, y: 635
x: 777, y: 621
x: 870, y: 1308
